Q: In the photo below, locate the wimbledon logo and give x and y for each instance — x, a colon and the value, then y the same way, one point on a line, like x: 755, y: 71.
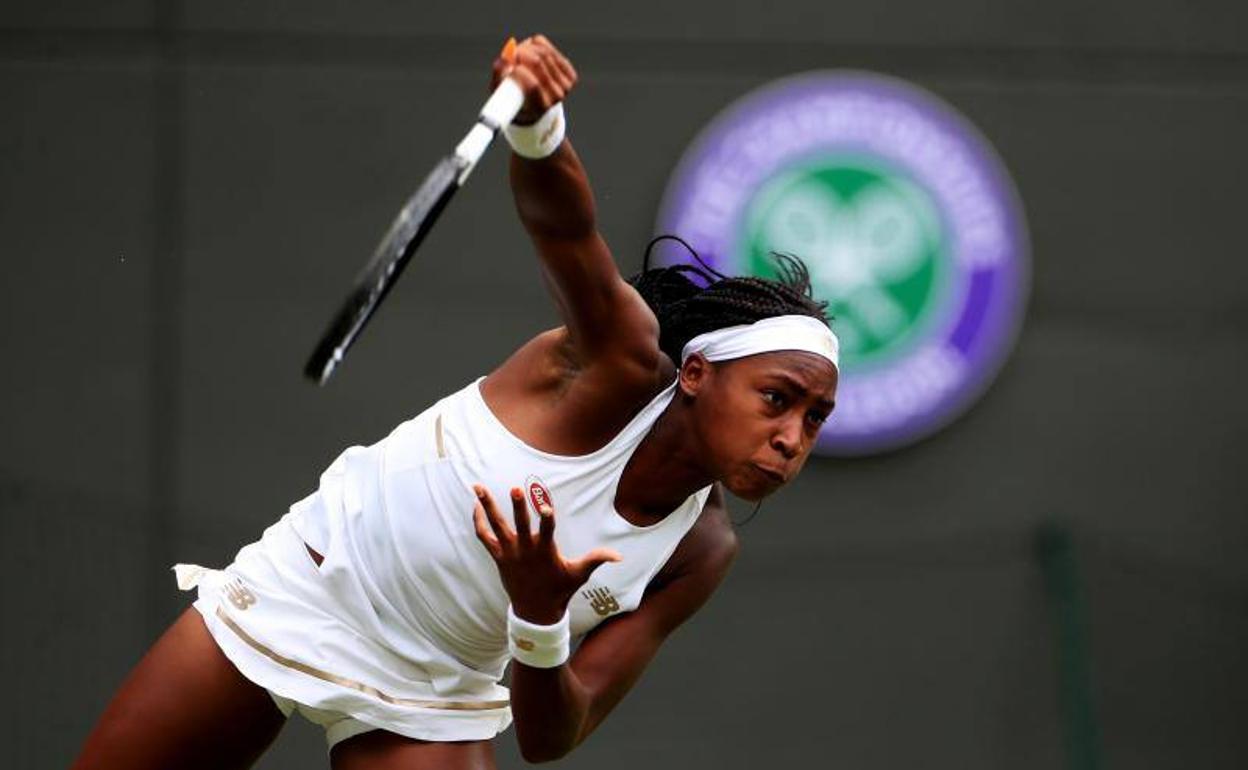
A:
x: 907, y: 220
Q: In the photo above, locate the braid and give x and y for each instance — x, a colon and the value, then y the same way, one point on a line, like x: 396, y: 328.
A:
x: 686, y: 307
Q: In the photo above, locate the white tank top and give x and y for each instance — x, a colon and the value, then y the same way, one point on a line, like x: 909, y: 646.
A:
x: 394, y: 523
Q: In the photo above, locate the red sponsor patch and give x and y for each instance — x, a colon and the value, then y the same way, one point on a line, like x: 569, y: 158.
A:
x: 539, y: 495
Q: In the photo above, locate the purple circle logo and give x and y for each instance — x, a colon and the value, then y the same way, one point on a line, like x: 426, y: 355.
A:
x: 907, y: 220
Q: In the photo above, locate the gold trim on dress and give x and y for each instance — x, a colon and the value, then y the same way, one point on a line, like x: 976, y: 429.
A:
x: 325, y: 676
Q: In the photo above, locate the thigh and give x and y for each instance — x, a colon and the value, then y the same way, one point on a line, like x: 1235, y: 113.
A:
x: 381, y: 750
x: 184, y: 705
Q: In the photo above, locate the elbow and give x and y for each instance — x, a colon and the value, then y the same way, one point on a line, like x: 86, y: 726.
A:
x: 539, y: 747
x: 536, y: 755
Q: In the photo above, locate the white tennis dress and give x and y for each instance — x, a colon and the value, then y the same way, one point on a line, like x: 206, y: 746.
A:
x: 403, y: 625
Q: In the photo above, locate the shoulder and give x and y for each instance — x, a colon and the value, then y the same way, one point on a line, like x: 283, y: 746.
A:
x: 694, y: 570
x: 626, y: 365
x: 550, y: 372
x: 627, y: 358
x: 708, y: 549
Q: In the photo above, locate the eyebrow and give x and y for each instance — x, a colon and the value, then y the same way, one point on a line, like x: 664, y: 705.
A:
x: 801, y: 388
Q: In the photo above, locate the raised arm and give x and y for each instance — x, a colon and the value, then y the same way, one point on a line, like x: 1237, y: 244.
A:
x: 605, y: 317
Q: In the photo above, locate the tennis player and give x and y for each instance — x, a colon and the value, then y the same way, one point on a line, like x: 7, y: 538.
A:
x: 573, y: 493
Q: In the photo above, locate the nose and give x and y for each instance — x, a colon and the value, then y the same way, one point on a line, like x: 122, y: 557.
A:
x: 787, y: 440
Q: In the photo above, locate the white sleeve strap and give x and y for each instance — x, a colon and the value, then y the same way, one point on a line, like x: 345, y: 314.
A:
x: 539, y: 646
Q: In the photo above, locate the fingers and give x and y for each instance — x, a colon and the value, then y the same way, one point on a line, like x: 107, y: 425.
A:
x: 546, y: 527
x: 551, y: 63
x: 484, y: 534
x: 569, y: 72
x: 493, y: 530
x: 542, y: 85
x: 504, y: 63
x: 543, y: 73
x: 497, y: 525
x: 584, y: 567
x: 561, y: 62
x: 520, y: 512
x: 559, y: 86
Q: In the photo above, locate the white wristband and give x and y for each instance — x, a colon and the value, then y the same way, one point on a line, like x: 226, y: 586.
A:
x: 539, y: 646
x: 540, y: 139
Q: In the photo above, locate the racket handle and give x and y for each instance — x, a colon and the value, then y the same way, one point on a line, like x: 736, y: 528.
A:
x: 499, y: 110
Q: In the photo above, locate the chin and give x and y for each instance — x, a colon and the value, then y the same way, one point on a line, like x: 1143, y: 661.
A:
x: 750, y: 490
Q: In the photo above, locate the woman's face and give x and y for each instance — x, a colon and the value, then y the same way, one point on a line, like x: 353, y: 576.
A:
x: 757, y: 417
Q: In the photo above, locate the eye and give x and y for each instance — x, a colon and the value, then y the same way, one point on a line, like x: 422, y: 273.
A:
x: 774, y: 398
x: 816, y: 418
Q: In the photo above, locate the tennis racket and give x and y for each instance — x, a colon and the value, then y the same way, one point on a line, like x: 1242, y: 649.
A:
x: 410, y: 227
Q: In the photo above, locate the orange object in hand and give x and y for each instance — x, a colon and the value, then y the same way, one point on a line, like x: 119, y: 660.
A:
x: 509, y: 50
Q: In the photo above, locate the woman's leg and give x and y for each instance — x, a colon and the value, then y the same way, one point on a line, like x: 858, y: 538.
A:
x: 185, y: 706
x: 381, y: 750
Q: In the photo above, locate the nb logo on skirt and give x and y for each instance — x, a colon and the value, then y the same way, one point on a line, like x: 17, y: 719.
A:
x: 238, y: 594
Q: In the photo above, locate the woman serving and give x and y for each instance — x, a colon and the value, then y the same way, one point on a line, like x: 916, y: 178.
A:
x: 574, y: 492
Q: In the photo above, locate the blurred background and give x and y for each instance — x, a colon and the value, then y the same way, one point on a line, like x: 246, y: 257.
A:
x: 1055, y: 580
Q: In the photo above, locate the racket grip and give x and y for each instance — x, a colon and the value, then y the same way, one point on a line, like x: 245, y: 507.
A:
x: 499, y: 110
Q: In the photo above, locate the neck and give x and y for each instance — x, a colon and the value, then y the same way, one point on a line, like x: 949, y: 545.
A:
x: 665, y: 469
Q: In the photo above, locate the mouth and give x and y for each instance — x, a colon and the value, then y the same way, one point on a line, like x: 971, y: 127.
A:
x: 775, y: 476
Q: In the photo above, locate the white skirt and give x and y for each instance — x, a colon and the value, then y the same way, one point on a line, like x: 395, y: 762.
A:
x: 267, y: 613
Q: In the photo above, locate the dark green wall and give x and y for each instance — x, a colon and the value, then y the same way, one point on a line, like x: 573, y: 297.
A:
x: 186, y: 191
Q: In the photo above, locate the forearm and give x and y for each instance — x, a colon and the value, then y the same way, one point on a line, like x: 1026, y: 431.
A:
x: 604, y: 315
x: 551, y: 708
x: 550, y: 703
x: 555, y: 708
x: 553, y: 195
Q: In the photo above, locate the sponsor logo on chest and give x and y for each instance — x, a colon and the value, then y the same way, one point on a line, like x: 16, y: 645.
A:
x: 539, y: 494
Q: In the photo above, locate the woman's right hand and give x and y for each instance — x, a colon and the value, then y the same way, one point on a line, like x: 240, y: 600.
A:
x: 538, y: 580
x: 543, y: 73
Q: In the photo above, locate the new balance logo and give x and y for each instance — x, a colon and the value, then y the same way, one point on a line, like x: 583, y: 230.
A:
x: 601, y: 600
x: 238, y: 594
x: 525, y: 644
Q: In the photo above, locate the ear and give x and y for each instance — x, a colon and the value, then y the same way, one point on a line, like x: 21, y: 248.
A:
x: 694, y: 374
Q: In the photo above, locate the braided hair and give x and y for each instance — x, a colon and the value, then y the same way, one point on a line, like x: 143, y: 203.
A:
x: 690, y: 300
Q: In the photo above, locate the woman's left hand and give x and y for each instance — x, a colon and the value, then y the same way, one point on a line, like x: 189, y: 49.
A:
x: 539, y: 581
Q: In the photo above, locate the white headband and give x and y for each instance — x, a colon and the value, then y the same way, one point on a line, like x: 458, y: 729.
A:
x: 785, y: 332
